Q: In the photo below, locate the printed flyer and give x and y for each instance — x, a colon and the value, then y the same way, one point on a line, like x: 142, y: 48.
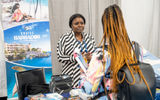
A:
x: 27, y: 39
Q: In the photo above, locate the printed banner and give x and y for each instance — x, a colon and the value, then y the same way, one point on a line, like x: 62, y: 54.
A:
x: 27, y: 39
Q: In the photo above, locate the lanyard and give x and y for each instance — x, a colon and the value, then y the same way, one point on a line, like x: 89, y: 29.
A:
x: 85, y: 46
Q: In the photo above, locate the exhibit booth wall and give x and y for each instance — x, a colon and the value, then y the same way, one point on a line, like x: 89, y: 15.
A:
x: 142, y: 19
x: 3, y: 81
x: 61, y: 10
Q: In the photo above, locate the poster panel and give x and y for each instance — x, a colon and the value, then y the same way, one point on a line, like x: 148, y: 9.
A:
x: 27, y: 38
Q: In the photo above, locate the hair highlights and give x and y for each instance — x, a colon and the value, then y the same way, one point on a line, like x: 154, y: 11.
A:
x: 120, y: 46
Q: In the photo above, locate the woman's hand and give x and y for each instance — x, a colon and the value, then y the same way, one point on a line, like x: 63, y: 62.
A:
x: 87, y: 56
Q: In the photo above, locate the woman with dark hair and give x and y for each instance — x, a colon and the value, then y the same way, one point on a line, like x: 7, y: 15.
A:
x: 15, y: 6
x: 17, y: 14
x: 69, y: 42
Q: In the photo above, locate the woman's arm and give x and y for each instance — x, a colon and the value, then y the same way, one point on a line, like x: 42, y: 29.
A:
x: 93, y: 43
x: 61, y: 50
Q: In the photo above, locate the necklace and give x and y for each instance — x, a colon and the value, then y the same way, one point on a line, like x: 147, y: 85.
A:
x: 85, y: 46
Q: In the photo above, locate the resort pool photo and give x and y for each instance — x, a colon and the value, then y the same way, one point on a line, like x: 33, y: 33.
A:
x: 26, y: 64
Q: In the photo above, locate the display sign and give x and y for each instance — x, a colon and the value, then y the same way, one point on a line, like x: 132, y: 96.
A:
x: 27, y: 39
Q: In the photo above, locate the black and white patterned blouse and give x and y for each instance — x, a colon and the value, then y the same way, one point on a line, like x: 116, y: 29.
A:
x: 65, y: 47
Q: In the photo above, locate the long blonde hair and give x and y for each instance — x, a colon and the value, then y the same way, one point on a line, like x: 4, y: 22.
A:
x: 120, y: 46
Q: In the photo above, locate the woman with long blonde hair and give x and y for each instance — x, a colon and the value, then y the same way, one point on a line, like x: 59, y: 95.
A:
x: 119, y: 46
x: 116, y: 53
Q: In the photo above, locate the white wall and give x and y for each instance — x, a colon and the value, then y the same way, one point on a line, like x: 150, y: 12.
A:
x: 3, y: 81
x: 137, y: 15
